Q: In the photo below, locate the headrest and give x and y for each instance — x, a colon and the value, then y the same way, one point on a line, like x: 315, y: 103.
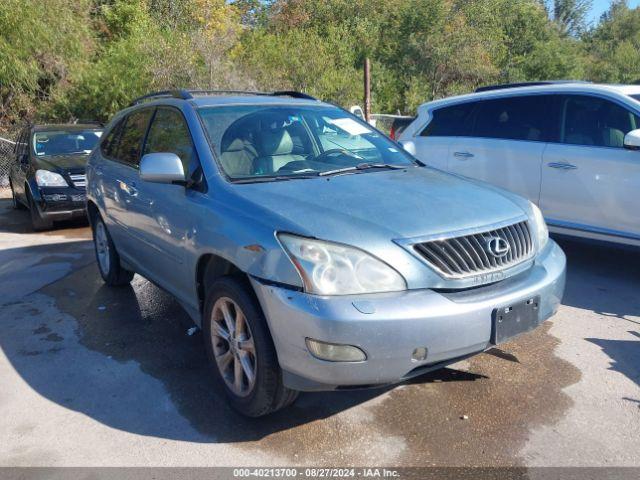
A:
x: 276, y: 142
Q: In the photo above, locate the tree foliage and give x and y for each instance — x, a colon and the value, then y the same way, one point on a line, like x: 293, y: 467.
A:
x: 88, y: 58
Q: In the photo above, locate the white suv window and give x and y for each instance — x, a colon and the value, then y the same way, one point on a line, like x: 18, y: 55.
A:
x: 594, y: 121
x: 514, y: 118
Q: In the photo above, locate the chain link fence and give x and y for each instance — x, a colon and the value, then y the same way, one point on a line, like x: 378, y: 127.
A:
x: 7, y: 143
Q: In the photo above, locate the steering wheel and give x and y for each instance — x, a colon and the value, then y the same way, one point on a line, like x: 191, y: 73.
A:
x: 335, y: 152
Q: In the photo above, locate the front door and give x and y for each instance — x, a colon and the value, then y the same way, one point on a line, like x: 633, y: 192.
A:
x: 590, y: 181
x: 167, y: 219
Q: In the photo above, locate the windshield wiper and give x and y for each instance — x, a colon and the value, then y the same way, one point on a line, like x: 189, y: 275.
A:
x: 278, y: 178
x: 361, y: 166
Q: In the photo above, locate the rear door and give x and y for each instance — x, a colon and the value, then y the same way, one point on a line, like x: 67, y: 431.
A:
x: 120, y: 172
x: 590, y: 182
x: 505, y: 148
x: 431, y: 144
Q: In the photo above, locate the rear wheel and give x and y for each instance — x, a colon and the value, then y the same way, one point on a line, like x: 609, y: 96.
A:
x: 107, y: 257
x: 241, y: 350
x: 38, y: 222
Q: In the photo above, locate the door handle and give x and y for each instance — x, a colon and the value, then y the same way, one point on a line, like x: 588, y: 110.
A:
x: 562, y: 165
x: 128, y: 188
x: 463, y: 155
x: 132, y: 190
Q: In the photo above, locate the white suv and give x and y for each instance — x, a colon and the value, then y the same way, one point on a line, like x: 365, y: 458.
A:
x: 569, y: 147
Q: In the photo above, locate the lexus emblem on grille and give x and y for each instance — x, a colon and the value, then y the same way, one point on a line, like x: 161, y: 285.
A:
x: 498, y: 247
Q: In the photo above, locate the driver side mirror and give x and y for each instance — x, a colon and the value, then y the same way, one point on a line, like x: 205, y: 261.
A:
x: 162, y: 168
x: 632, y: 140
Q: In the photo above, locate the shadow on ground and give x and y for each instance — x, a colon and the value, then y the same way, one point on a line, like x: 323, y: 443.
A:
x: 603, y: 278
x: 19, y: 221
x: 146, y: 326
x: 624, y: 354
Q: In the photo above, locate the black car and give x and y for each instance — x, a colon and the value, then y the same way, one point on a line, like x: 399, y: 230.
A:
x: 48, y: 174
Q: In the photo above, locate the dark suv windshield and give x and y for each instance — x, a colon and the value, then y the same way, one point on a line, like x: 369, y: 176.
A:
x: 258, y: 141
x: 65, y: 142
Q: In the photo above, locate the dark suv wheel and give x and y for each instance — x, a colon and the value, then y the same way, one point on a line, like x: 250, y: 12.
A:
x: 108, y: 259
x: 17, y: 204
x: 241, y: 350
x: 38, y: 222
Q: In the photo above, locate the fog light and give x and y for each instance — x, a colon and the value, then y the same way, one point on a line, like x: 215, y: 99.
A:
x: 334, y: 352
x: 419, y: 354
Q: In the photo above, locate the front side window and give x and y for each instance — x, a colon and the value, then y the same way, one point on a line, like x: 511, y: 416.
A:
x: 514, y: 118
x: 595, y: 121
x: 169, y: 133
x: 133, y: 131
x: 65, y: 142
x: 454, y: 121
x: 259, y: 141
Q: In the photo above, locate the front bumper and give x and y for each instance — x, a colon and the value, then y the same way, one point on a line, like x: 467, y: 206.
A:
x: 61, y: 203
x: 450, y: 325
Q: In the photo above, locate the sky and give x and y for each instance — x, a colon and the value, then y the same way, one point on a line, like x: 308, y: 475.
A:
x: 601, y: 6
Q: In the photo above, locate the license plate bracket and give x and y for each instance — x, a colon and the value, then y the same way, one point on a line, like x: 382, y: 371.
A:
x: 512, y: 320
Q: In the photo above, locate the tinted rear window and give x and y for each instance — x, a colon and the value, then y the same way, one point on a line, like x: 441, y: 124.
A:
x: 514, y: 118
x: 454, y: 121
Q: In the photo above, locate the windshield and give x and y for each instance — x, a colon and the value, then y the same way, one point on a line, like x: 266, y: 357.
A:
x: 65, y: 142
x: 266, y: 142
x: 635, y: 97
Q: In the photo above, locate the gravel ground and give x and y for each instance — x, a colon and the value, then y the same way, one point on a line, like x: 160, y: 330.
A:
x: 93, y: 376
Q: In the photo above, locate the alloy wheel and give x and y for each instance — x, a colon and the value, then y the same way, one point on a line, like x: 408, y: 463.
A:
x: 233, y: 346
x: 102, y: 247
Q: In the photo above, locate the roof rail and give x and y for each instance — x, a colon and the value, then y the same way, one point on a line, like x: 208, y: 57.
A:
x: 189, y: 94
x: 293, y: 94
x: 526, y: 84
x: 182, y: 94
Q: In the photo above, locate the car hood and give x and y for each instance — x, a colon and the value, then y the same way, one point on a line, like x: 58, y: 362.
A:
x: 397, y: 204
x: 61, y: 163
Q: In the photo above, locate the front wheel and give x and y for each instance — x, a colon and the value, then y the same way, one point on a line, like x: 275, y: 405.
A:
x: 108, y: 259
x: 17, y: 204
x: 241, y: 350
x: 38, y: 222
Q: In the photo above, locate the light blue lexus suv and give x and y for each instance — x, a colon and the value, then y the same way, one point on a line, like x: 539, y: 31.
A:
x: 314, y: 252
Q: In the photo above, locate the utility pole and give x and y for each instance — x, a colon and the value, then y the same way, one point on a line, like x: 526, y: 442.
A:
x: 367, y: 89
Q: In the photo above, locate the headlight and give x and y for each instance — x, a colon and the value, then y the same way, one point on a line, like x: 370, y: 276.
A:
x: 540, y: 226
x: 333, y: 269
x: 45, y: 178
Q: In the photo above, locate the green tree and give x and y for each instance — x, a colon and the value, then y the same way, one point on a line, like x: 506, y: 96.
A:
x: 38, y: 53
x: 614, y: 46
x: 571, y: 15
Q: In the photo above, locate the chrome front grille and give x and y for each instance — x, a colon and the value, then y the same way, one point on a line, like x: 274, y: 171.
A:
x: 79, y: 180
x: 479, y: 253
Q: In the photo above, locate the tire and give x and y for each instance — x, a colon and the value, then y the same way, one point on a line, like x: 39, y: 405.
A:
x: 265, y: 393
x: 37, y: 221
x: 17, y: 204
x: 107, y: 257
